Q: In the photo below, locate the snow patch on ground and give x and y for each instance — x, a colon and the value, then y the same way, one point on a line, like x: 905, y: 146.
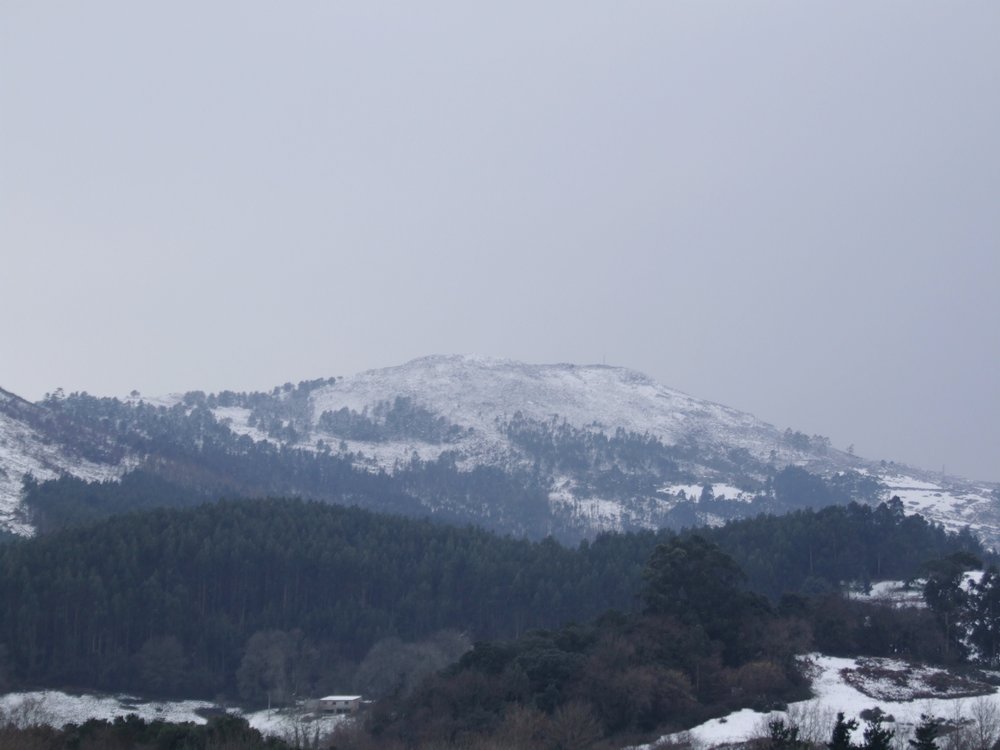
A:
x: 894, y: 593
x: 381, y: 456
x: 387, y: 455
x: 290, y: 724
x: 852, y: 685
x: 603, y: 515
x: 237, y: 419
x: 890, y: 680
x: 55, y: 708
x: 971, y: 577
x: 712, y: 520
x: 719, y: 491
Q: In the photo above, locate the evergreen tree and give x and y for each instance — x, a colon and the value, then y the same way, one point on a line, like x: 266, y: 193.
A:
x: 926, y: 733
x: 983, y: 616
x: 877, y: 737
x: 841, y: 737
x: 783, y: 737
x: 691, y: 579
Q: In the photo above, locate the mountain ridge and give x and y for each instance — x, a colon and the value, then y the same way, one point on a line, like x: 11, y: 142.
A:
x: 606, y: 447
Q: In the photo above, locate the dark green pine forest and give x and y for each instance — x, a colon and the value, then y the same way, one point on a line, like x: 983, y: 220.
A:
x: 287, y: 598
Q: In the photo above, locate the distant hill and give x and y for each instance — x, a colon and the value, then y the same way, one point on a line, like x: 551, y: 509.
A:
x: 528, y: 449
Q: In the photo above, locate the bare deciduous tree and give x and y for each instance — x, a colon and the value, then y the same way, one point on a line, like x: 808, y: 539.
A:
x: 814, y: 722
x: 985, y: 715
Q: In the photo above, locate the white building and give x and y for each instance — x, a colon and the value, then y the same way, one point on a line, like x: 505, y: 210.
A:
x: 340, y: 704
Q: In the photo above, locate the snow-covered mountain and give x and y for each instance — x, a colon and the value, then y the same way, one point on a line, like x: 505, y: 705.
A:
x: 479, y: 394
x: 602, y: 447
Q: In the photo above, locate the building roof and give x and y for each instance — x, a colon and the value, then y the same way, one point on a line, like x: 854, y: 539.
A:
x: 341, y: 698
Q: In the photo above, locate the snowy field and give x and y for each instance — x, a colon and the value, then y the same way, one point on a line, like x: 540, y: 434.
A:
x: 901, y: 691
x: 55, y: 708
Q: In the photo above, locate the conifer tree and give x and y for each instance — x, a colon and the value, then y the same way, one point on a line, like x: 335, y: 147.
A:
x: 841, y: 737
x: 783, y: 736
x: 926, y: 734
x: 877, y: 737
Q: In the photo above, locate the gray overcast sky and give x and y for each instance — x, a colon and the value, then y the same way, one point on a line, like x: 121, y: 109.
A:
x: 790, y: 208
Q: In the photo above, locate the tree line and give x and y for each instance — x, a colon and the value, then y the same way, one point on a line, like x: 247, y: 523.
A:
x: 178, y: 601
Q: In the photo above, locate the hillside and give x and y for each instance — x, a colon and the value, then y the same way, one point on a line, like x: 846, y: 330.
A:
x: 529, y: 449
x: 33, y: 442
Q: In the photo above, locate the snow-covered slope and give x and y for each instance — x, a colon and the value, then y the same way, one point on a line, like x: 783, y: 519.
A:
x: 902, y: 691
x: 481, y: 395
x: 602, y: 447
x: 950, y: 501
x: 26, y: 447
x: 539, y: 419
x: 476, y: 392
